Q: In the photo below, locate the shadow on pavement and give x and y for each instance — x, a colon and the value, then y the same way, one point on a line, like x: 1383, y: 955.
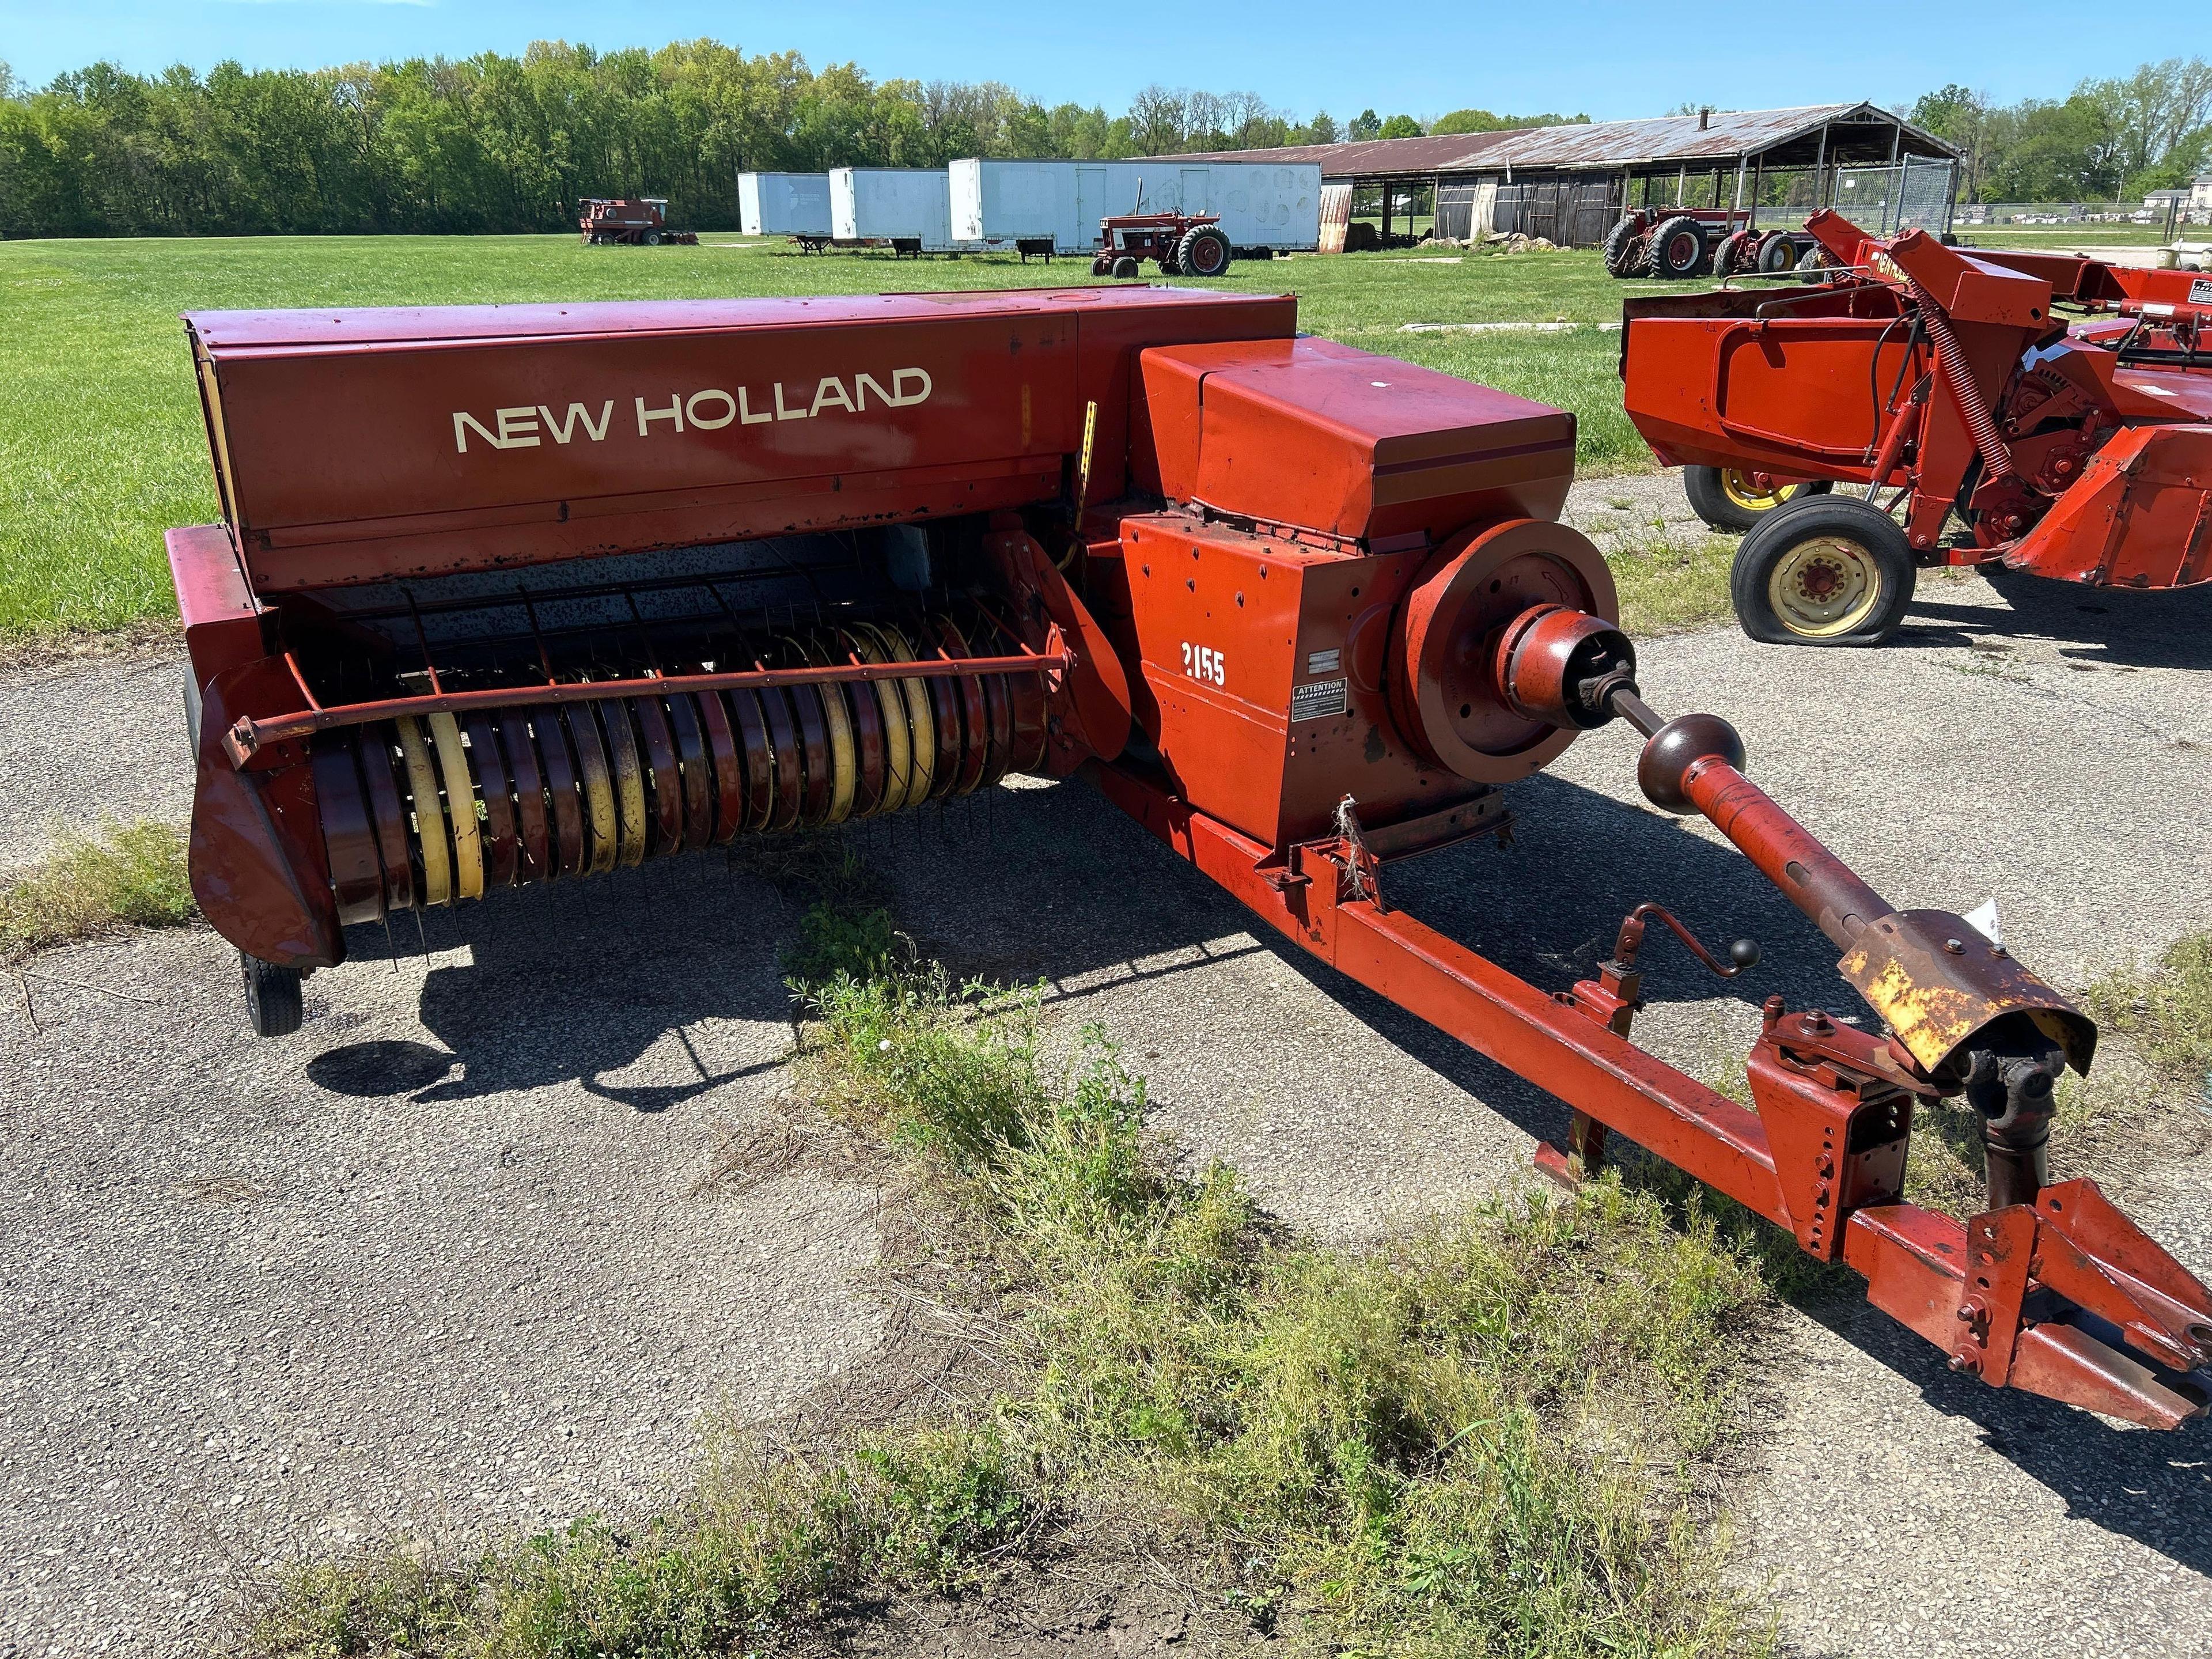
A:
x: 571, y: 984
x: 2104, y: 626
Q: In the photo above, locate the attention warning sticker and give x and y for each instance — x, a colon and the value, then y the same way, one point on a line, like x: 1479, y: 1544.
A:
x: 1317, y: 699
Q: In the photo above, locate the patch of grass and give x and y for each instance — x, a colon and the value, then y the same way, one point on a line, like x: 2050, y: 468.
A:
x: 101, y: 446
x: 123, y: 876
x: 1670, y: 582
x: 1492, y: 1437
x: 2165, y: 1014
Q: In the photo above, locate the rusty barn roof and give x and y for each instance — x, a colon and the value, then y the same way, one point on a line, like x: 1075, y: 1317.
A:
x: 1373, y: 158
x: 1724, y: 135
x: 1859, y: 133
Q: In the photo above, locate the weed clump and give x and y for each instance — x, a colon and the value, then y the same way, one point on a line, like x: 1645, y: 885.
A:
x: 124, y: 875
x: 1492, y: 1437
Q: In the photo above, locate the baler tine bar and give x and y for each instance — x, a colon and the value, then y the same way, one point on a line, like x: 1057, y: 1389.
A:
x: 248, y: 735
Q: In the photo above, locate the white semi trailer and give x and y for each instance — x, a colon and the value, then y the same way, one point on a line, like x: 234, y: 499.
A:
x: 908, y: 208
x: 1262, y: 205
x: 785, y: 204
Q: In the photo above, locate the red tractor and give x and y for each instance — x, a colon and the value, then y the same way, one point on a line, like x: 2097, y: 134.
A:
x: 1686, y: 242
x: 630, y: 221
x: 1184, y: 244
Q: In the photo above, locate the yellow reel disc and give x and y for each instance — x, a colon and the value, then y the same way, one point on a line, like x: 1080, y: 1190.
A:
x: 898, y: 739
x: 599, y: 787
x: 429, y: 821
x: 630, y: 782
x: 844, y: 753
x: 460, y: 807
x: 919, y: 717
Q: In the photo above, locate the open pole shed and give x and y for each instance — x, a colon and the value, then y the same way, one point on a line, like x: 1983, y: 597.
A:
x: 1570, y: 184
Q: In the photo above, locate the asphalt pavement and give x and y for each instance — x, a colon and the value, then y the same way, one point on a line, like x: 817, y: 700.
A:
x: 443, y: 1265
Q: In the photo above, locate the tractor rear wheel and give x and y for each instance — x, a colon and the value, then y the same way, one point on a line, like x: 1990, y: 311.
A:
x: 1824, y: 570
x: 273, y: 1007
x: 1729, y: 498
x: 1678, y: 249
x: 1620, y: 243
x: 1204, y: 251
x: 1126, y: 267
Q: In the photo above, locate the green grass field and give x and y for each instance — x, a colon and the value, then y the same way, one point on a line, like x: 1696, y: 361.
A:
x: 2060, y: 239
x: 102, y: 446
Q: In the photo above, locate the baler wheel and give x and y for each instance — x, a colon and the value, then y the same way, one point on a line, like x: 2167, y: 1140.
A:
x: 1729, y: 498
x: 1824, y: 570
x: 1678, y: 249
x: 1619, y: 248
x: 1124, y: 267
x: 272, y: 996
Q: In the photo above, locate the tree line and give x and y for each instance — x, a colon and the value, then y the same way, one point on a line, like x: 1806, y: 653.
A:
x: 495, y: 142
x: 2108, y: 140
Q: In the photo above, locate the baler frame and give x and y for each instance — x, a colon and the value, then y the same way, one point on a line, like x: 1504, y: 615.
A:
x: 1128, y: 470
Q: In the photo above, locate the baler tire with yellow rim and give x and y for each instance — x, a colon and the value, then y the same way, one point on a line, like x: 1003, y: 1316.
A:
x: 1824, y: 570
x: 1731, y: 498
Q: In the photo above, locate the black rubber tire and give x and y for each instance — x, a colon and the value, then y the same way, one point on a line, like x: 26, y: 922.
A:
x: 1670, y: 254
x: 1709, y: 499
x: 1737, y: 252
x: 1619, y: 242
x: 652, y: 239
x: 1204, y: 251
x: 1101, y: 266
x: 1126, y: 267
x: 1814, y: 264
x: 1787, y: 527
x: 273, y: 1007
x: 1777, y: 254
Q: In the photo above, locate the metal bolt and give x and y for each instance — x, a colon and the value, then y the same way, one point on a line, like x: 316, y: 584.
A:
x: 1957, y: 947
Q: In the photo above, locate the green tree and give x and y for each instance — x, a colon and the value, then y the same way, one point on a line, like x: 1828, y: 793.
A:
x: 1400, y: 126
x: 1364, y: 126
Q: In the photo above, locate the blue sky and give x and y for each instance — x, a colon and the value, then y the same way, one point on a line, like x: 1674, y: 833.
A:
x: 1423, y: 56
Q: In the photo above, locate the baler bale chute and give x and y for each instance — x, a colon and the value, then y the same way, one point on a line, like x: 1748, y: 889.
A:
x: 515, y: 595
x: 1951, y: 387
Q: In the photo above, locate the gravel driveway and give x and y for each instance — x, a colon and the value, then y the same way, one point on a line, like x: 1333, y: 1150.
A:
x: 441, y: 1264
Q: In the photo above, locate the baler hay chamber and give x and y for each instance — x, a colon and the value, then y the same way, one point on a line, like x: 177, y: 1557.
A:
x: 531, y: 594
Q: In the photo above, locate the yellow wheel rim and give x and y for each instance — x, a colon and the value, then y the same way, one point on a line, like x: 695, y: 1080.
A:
x: 1825, y: 586
x: 1738, y: 489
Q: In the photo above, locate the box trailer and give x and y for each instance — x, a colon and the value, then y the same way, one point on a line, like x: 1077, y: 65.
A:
x: 909, y: 208
x: 1262, y: 205
x: 784, y: 204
